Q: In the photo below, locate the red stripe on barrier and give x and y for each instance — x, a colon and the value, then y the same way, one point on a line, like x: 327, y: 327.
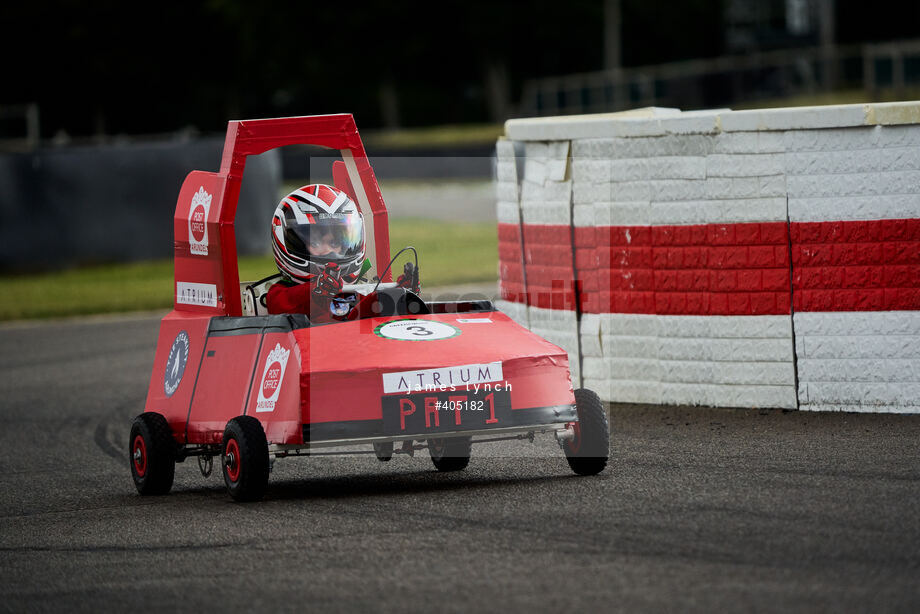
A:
x: 546, y: 260
x: 865, y: 265
x: 708, y: 269
x: 509, y: 233
x: 720, y: 269
x: 510, y: 263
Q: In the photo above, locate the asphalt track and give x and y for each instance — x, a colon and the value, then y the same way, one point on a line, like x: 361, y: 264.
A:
x: 700, y: 509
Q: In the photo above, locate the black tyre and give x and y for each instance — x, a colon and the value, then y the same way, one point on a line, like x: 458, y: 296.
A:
x: 244, y: 455
x: 384, y: 450
x: 452, y: 454
x: 152, y: 454
x: 588, y: 452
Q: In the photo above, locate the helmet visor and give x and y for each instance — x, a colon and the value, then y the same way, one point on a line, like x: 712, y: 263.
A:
x: 332, y: 237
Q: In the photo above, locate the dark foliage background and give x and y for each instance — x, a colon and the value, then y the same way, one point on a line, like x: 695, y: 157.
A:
x: 111, y: 67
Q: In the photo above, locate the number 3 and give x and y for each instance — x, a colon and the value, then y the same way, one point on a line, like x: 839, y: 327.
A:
x: 423, y: 332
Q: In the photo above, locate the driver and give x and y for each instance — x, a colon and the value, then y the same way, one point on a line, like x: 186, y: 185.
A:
x: 318, y: 241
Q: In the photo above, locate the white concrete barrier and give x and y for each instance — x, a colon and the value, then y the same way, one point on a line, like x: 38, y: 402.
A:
x: 676, y: 256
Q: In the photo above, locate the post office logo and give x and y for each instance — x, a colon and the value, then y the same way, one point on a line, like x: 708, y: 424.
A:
x: 272, y: 378
x: 198, y: 222
x: 175, y: 363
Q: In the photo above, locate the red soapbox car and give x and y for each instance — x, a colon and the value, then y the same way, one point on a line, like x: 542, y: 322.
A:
x: 231, y: 382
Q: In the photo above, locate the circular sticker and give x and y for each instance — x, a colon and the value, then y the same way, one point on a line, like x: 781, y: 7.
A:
x: 272, y: 379
x: 197, y: 223
x: 175, y: 363
x: 416, y: 330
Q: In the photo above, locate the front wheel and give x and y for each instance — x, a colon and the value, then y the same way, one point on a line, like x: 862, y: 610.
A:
x: 451, y: 454
x: 244, y: 452
x: 589, y: 450
x: 153, y: 454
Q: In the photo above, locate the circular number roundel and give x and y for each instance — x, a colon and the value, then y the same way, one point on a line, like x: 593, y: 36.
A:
x: 416, y: 330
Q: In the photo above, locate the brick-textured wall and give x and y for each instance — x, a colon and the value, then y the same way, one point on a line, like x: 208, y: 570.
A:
x: 854, y: 204
x: 510, y: 231
x: 546, y: 215
x: 712, y: 269
x: 859, y: 360
x: 702, y: 241
x: 856, y: 265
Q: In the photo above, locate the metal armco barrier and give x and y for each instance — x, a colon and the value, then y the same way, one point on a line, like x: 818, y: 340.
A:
x: 61, y: 207
x: 766, y: 258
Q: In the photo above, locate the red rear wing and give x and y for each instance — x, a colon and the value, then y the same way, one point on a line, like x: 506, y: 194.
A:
x: 206, y: 270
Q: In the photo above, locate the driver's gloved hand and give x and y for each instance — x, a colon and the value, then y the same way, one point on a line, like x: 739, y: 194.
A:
x: 330, y: 282
x: 409, y: 279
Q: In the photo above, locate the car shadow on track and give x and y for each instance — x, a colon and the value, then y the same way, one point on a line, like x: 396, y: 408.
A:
x: 382, y: 485
x: 404, y: 484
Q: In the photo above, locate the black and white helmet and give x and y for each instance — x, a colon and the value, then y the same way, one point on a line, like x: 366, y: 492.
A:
x: 313, y: 226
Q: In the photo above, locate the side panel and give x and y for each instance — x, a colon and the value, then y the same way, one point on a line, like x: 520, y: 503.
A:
x: 274, y: 396
x: 180, y: 347
x: 199, y: 246
x: 223, y: 383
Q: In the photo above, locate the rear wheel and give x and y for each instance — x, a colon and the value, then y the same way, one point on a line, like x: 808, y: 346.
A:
x: 589, y: 450
x: 152, y: 452
x: 244, y: 453
x: 451, y: 454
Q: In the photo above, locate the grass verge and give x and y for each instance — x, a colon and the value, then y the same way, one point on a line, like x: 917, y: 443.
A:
x: 449, y: 253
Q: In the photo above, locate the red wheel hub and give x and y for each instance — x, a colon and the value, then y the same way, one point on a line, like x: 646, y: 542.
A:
x: 232, y: 460
x: 139, y: 456
x: 575, y: 443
